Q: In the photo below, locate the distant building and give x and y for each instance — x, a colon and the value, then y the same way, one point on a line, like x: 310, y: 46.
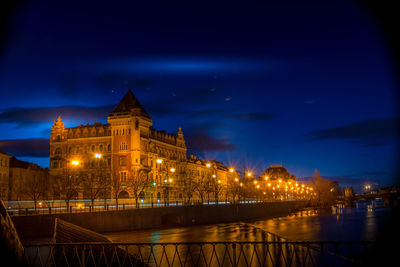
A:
x: 26, y: 179
x: 122, y: 148
x: 19, y: 178
x: 275, y: 172
x: 4, y: 175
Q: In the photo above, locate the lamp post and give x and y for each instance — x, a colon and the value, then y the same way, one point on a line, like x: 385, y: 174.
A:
x: 167, y: 184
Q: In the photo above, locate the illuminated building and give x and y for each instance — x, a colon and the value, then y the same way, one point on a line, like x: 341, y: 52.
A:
x: 123, y: 147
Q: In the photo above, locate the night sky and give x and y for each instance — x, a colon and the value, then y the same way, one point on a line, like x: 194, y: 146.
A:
x: 310, y: 85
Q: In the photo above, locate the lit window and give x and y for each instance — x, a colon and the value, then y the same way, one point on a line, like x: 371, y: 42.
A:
x: 123, y: 146
x: 123, y: 177
x: 122, y: 161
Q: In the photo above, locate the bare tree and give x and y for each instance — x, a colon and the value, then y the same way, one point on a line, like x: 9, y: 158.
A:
x: 68, y: 185
x: 326, y: 189
x: 188, y: 187
x: 216, y: 188
x: 35, y: 186
x: 95, y: 185
x: 233, y: 189
x: 116, y: 187
x: 202, y: 188
x: 137, y: 182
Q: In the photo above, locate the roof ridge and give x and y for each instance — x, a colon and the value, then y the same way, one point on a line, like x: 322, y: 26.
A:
x: 128, y: 102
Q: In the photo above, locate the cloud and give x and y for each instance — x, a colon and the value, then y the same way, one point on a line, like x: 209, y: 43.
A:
x: 374, y: 132
x: 27, y: 116
x: 34, y: 147
x: 203, y: 142
x: 252, y: 116
x: 121, y: 80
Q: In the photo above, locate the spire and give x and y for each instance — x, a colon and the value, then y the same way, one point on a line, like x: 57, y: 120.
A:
x: 129, y: 102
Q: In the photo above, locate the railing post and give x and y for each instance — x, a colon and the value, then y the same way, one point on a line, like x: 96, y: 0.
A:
x: 234, y: 255
x: 49, y: 210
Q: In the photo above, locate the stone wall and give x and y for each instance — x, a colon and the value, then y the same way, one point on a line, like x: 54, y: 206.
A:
x: 39, y: 226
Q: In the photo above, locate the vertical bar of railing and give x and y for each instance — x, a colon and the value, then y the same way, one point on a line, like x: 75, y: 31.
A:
x: 234, y: 263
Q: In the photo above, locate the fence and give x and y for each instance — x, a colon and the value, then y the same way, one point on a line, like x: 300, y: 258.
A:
x: 268, y: 253
x: 22, y: 208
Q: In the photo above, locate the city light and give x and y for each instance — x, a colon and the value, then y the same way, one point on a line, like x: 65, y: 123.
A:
x: 219, y: 181
x: 172, y: 170
x: 236, y: 180
x: 214, y: 176
x: 97, y: 156
x: 159, y: 161
x: 255, y: 182
x: 75, y: 162
x: 280, y: 180
x: 231, y: 169
x: 170, y: 180
x: 269, y: 184
x: 266, y: 177
x: 208, y: 165
x: 249, y: 174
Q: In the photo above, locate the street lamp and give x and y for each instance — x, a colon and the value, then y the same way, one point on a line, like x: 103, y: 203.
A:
x: 208, y: 165
x: 75, y: 162
x: 231, y: 170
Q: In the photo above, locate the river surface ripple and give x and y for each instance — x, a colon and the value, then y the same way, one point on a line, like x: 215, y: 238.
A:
x: 362, y: 223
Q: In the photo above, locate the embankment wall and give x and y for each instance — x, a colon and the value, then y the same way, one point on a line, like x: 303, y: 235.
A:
x: 41, y: 226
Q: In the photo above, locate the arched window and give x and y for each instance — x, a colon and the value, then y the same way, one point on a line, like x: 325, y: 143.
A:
x: 101, y: 148
x: 58, y: 151
x: 109, y: 147
x: 93, y: 147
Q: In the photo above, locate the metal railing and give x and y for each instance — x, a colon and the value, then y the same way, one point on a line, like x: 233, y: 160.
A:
x: 264, y: 253
x: 79, y: 206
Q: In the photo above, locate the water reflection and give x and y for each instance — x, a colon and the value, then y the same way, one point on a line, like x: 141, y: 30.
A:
x: 362, y: 223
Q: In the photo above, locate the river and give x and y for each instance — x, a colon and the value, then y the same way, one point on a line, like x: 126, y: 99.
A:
x: 364, y: 222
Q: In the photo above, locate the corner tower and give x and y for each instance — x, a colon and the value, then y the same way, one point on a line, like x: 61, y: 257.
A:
x: 128, y: 121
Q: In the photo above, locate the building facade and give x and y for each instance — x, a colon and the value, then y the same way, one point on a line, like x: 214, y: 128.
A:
x: 4, y: 175
x: 129, y: 152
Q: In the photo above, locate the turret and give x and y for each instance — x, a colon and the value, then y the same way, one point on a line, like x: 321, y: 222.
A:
x: 57, y: 130
x: 180, y: 140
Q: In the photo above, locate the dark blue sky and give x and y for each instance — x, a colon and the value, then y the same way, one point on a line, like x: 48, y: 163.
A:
x: 309, y: 85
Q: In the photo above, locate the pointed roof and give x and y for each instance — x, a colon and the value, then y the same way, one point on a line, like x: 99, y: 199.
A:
x: 128, y: 102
